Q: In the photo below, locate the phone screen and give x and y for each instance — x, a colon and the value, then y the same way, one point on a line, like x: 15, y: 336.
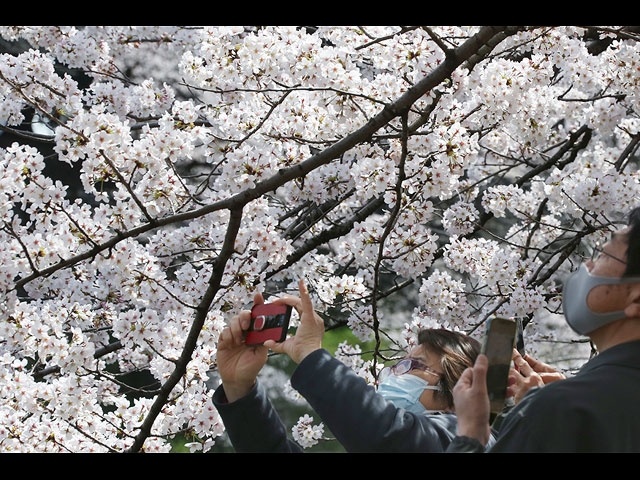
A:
x: 498, y: 347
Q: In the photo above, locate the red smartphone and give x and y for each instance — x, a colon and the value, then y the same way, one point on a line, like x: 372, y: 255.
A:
x: 269, y: 321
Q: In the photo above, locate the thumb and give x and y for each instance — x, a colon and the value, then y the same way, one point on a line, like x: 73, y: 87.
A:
x: 276, y: 347
x: 465, y: 380
x: 480, y: 372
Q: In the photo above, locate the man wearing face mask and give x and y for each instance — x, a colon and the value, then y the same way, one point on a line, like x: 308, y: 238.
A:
x: 411, y: 411
x: 596, y: 410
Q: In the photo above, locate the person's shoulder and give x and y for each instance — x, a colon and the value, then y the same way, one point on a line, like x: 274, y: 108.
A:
x: 540, y: 411
x: 555, y: 396
x: 572, y: 397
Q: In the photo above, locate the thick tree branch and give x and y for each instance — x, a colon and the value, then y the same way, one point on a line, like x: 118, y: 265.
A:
x: 390, y: 112
x: 202, y: 310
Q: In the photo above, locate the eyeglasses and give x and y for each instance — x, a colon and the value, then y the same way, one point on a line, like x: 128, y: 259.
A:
x: 598, y: 250
x: 405, y: 366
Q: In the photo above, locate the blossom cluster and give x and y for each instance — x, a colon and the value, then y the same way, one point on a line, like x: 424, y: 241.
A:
x: 306, y: 433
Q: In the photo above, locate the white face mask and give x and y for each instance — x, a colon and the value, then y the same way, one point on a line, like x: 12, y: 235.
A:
x: 404, y: 391
x: 574, y: 300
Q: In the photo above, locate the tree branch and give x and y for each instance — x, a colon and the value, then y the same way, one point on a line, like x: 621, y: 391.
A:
x: 202, y: 310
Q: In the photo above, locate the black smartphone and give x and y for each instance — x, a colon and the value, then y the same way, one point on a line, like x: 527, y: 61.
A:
x: 520, y: 337
x: 269, y: 321
x: 499, y: 341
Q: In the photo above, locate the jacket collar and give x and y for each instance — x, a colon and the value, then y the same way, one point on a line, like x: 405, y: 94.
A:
x: 624, y: 354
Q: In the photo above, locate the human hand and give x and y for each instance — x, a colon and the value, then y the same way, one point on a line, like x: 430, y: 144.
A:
x: 471, y: 401
x: 238, y: 363
x: 310, y: 331
x: 530, y: 373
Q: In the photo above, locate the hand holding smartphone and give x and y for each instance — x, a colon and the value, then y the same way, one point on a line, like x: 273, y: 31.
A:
x: 269, y: 321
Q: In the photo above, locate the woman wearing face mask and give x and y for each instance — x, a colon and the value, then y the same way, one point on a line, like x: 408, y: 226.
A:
x: 422, y: 382
x: 411, y: 410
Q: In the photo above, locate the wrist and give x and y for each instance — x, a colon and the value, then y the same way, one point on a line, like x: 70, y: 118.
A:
x: 464, y: 444
x: 478, y: 432
x: 236, y: 390
x: 304, y: 353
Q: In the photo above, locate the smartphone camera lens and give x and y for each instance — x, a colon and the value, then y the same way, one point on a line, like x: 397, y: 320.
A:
x: 258, y: 322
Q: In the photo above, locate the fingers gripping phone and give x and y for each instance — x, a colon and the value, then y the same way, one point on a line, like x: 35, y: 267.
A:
x: 269, y: 321
x: 498, y: 346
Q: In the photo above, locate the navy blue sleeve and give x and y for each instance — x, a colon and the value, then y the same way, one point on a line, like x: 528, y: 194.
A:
x: 252, y: 424
x: 462, y: 444
x: 360, y: 418
x: 547, y: 419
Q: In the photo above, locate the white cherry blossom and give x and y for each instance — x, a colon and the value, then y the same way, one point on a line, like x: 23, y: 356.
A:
x: 156, y: 178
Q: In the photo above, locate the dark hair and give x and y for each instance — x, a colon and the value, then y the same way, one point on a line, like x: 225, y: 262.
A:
x: 457, y: 352
x: 633, y: 242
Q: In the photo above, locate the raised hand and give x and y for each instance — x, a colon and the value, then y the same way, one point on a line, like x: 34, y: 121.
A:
x: 239, y: 364
x: 471, y: 401
x: 310, y: 331
x: 530, y: 373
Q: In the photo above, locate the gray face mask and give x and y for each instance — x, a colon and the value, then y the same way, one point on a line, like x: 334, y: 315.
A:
x: 574, y: 300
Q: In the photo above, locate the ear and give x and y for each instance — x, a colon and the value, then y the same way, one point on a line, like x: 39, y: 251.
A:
x: 632, y: 310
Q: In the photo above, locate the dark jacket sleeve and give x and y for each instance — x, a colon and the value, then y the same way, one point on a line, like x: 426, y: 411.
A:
x: 360, y: 419
x: 547, y: 419
x: 252, y: 423
x: 462, y: 444
x: 525, y: 428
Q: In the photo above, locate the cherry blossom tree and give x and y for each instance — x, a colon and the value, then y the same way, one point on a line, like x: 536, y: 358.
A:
x: 467, y: 168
